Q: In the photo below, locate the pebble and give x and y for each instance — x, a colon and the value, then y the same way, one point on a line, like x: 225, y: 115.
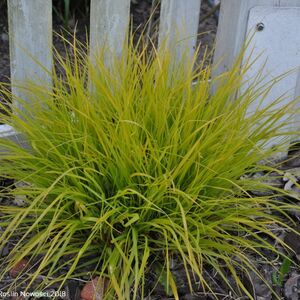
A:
x: 259, y: 285
x: 4, y: 37
x: 292, y: 239
x: 292, y: 287
x: 94, y: 289
x: 18, y: 268
x: 293, y: 155
x: 296, y: 212
x: 20, y: 200
x: 5, y: 250
x: 291, y: 179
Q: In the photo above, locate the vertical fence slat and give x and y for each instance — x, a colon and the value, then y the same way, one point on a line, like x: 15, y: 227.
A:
x: 30, y: 37
x: 109, y: 20
x: 235, y: 16
x: 178, y: 27
x: 232, y: 28
x: 297, y: 95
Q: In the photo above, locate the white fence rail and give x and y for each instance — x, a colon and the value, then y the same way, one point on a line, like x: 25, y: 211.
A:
x: 30, y: 31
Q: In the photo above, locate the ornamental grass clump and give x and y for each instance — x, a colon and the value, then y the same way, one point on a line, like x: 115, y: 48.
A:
x: 134, y: 162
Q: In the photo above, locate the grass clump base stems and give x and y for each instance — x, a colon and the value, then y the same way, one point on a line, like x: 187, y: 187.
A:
x: 133, y: 162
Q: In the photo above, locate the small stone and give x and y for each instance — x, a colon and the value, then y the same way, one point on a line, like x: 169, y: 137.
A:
x: 291, y: 177
x: 4, y: 37
x: 292, y: 239
x: 293, y: 159
x: 262, y: 298
x: 4, y: 251
x: 18, y: 268
x: 292, y: 287
x: 295, y: 289
x: 260, y: 284
x: 94, y: 289
x: 296, y: 211
x: 20, y: 200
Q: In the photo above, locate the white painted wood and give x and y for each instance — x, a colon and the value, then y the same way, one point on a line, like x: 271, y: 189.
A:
x: 109, y: 21
x: 30, y: 37
x: 276, y: 47
x: 178, y: 27
x: 8, y: 133
x: 297, y: 96
x: 232, y: 28
x: 297, y: 89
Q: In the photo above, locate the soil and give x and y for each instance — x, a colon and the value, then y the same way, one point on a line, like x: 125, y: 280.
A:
x: 140, y: 11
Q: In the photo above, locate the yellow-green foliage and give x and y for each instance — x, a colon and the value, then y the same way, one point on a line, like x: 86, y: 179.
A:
x: 135, y: 163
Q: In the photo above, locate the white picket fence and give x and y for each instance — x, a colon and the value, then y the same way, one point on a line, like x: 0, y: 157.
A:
x: 273, y: 21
